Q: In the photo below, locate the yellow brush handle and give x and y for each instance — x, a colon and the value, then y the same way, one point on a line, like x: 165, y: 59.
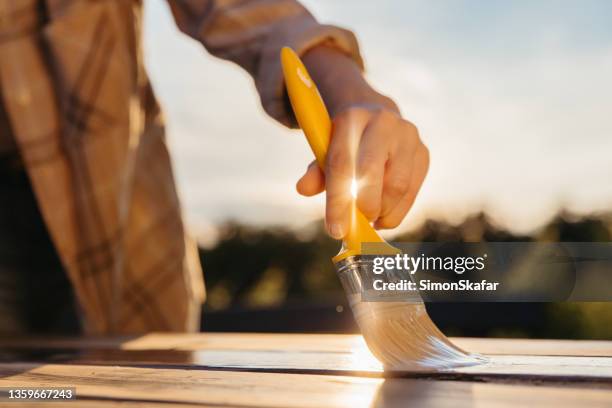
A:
x: 313, y: 118
x: 307, y: 104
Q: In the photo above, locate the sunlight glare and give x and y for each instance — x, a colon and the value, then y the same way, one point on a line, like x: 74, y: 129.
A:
x: 354, y: 188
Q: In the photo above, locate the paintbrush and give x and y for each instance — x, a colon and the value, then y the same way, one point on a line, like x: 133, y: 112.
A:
x: 399, y: 333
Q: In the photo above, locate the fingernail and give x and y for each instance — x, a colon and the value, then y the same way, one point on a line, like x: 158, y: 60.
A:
x: 335, y: 230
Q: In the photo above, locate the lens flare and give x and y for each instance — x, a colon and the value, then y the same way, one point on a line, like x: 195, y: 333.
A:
x: 354, y: 188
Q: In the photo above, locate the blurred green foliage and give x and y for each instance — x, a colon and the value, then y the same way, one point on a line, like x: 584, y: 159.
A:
x: 252, y: 267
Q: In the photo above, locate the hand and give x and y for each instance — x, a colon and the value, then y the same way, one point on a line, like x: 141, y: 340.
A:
x: 386, y: 157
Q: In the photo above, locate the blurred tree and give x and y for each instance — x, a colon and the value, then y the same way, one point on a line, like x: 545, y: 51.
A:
x: 277, y: 268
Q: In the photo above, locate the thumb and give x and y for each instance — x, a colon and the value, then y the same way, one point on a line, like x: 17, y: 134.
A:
x: 312, y: 182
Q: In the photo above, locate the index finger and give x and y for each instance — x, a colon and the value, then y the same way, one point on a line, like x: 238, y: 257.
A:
x: 340, y: 170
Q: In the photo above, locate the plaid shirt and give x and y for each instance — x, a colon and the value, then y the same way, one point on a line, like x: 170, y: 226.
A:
x: 91, y: 138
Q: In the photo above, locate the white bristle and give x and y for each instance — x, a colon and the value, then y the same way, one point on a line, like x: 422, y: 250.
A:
x: 398, y: 332
x: 403, y: 337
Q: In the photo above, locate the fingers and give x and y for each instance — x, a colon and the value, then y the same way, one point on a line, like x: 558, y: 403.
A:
x: 384, y: 153
x: 371, y: 161
x: 399, y: 168
x: 312, y: 182
x: 395, y: 215
x: 340, y: 168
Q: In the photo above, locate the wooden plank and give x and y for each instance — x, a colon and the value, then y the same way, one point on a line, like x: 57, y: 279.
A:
x: 244, y: 389
x: 321, y: 354
x: 536, y: 347
x: 306, y: 342
x: 504, y: 368
x: 357, y: 362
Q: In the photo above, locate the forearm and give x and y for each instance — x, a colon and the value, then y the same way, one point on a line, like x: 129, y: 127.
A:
x: 341, y: 82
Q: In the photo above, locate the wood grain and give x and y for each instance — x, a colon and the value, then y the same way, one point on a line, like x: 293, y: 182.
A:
x: 128, y: 386
x: 307, y: 342
x: 290, y: 370
x: 555, y: 369
x: 309, y: 354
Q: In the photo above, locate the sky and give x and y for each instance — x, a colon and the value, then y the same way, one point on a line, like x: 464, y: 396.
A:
x: 513, y: 99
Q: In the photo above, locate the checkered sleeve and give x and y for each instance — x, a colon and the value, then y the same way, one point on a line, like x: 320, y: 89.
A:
x: 251, y: 34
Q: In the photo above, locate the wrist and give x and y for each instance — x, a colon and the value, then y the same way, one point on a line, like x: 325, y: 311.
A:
x: 341, y: 83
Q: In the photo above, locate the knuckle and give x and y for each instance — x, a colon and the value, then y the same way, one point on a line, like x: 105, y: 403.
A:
x: 350, y: 114
x: 335, y: 197
x: 338, y: 163
x: 383, y: 119
x: 421, y: 158
x: 366, y: 163
x: 357, y: 111
x: 426, y: 155
x: 397, y: 186
x: 338, y: 120
x: 386, y: 115
x: 411, y: 127
x: 410, y: 131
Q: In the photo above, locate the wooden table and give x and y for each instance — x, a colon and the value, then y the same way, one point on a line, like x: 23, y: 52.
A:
x: 293, y: 370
